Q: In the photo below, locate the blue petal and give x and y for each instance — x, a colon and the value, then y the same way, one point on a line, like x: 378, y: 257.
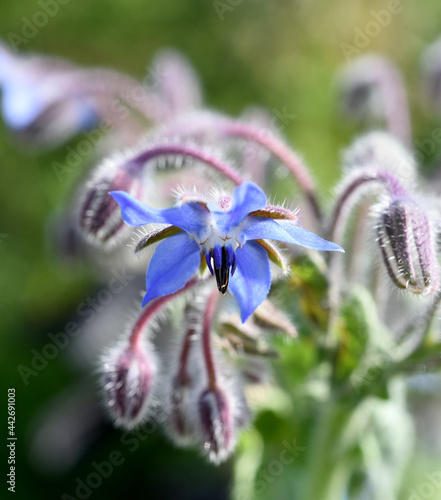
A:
x: 190, y: 217
x: 20, y: 105
x: 252, y: 280
x: 86, y: 115
x: 247, y: 197
x: 260, y: 228
x: 217, y: 257
x: 264, y: 228
x: 134, y: 212
x: 174, y: 262
x: 310, y: 240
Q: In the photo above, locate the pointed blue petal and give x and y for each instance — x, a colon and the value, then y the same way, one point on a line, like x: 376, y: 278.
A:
x: 174, y: 262
x: 264, y: 228
x: 134, y: 212
x: 252, y: 280
x: 190, y: 217
x: 247, y: 197
x: 261, y: 228
x: 310, y: 240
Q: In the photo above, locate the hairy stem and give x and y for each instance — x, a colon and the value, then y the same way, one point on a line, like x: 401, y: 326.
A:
x: 384, y: 178
x: 153, y: 308
x: 197, y: 154
x: 281, y: 151
x: 206, y: 338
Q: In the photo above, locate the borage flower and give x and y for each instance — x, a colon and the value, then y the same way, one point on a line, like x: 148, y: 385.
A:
x: 230, y: 234
x: 39, y: 98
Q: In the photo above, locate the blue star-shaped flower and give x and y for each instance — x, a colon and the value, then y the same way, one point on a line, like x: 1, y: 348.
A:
x: 229, y: 234
x: 37, y: 87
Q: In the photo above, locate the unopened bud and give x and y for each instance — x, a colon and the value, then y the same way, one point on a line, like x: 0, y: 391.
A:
x: 372, y: 88
x: 100, y: 218
x: 380, y: 150
x: 216, y: 418
x: 407, y: 243
x: 179, y: 424
x: 172, y: 76
x: 127, y: 381
x: 359, y: 85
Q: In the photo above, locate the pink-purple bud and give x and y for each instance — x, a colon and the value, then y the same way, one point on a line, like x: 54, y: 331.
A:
x: 175, y: 81
x: 127, y: 381
x: 99, y: 217
x: 372, y: 88
x: 179, y: 422
x: 407, y: 243
x: 380, y: 150
x: 217, y: 425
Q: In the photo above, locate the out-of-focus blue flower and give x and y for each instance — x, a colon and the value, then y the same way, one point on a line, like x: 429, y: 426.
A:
x: 227, y: 233
x: 39, y: 97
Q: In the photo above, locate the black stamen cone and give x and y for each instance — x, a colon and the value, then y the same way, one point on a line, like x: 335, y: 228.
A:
x: 223, y: 273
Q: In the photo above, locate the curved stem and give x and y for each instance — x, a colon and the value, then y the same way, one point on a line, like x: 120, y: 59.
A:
x: 119, y: 86
x: 183, y: 358
x: 206, y: 337
x: 336, y: 229
x: 197, y: 154
x: 386, y: 179
x: 281, y: 151
x: 421, y: 324
x: 153, y: 308
x: 209, y: 124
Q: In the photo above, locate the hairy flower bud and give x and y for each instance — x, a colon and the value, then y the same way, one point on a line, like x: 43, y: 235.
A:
x: 99, y: 215
x: 380, y: 150
x: 39, y: 103
x: 127, y: 381
x: 407, y: 243
x: 216, y: 419
x: 371, y: 88
x: 172, y: 76
x: 179, y: 425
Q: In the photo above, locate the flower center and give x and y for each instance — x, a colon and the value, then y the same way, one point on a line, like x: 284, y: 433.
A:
x: 222, y: 273
x: 220, y: 260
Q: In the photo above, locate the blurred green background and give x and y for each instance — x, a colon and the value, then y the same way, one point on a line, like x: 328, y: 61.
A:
x: 280, y: 54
